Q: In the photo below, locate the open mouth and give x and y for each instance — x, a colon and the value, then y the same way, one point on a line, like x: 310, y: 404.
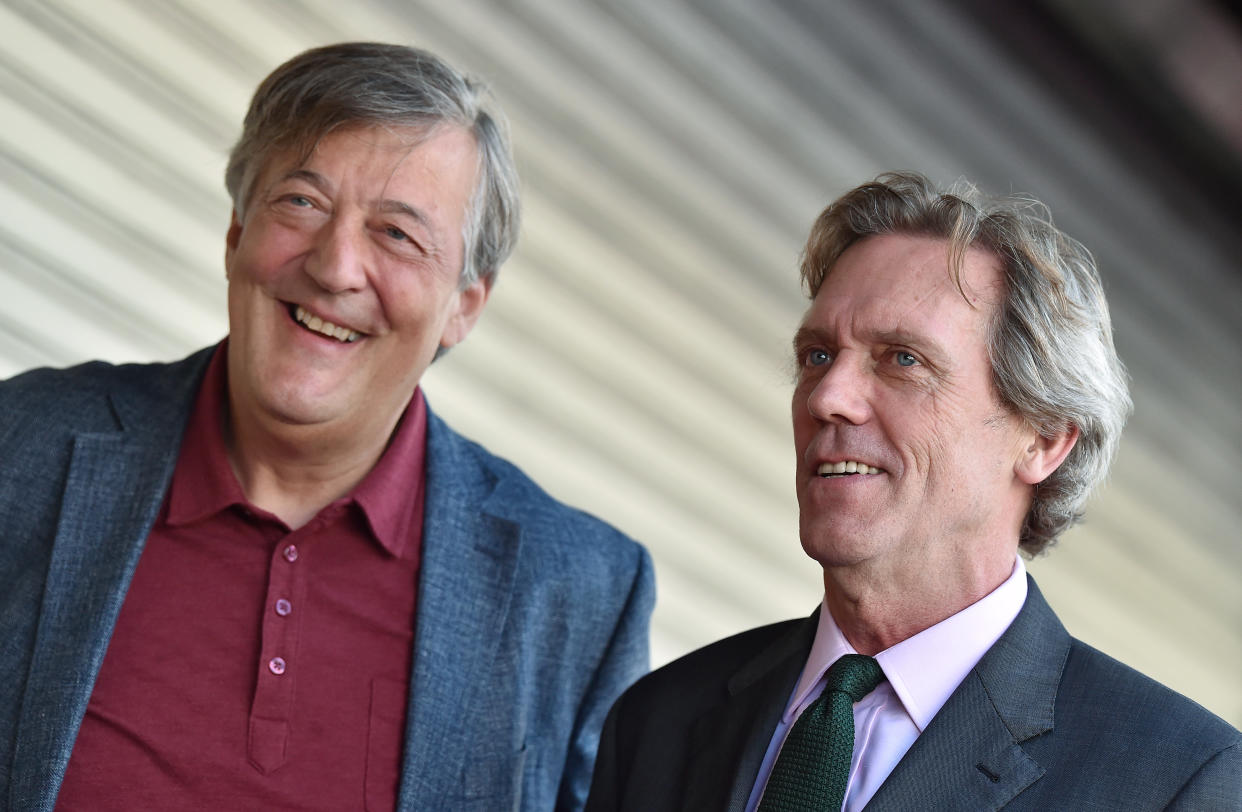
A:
x: 324, y: 328
x: 846, y: 468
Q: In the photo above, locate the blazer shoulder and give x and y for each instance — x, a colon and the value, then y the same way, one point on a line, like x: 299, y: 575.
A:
x: 1124, y: 740
x: 716, y: 664
x: 74, y: 395
x: 1106, y: 694
x: 514, y: 496
x: 84, y: 398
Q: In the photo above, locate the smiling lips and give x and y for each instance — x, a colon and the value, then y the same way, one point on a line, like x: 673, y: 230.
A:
x: 325, y: 328
x: 845, y: 468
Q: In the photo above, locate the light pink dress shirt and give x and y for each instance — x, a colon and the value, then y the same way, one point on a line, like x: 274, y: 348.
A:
x: 922, y: 673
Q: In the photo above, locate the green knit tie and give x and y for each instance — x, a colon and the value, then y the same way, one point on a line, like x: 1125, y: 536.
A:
x: 813, y: 768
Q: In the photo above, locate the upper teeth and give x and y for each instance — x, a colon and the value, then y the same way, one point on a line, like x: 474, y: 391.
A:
x: 847, y: 467
x: 326, y: 328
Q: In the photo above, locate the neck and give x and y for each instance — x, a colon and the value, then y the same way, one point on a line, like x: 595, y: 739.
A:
x: 877, y: 607
x: 294, y: 471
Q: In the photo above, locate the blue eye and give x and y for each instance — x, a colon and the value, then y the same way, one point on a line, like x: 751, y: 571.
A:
x: 395, y: 233
x: 817, y: 358
x: 299, y: 200
x: 905, y: 359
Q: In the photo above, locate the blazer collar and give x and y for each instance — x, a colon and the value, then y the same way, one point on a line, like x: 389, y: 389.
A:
x: 113, y: 489
x: 971, y: 755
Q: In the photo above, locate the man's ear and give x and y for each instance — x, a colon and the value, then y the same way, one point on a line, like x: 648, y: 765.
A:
x: 470, y: 301
x: 1044, y: 454
x: 231, y: 240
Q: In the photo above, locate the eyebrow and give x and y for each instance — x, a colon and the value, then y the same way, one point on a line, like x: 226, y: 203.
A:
x: 310, y: 176
x: 809, y: 335
x: 908, y: 339
x: 400, y: 207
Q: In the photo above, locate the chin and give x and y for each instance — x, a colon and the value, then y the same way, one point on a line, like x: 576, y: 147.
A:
x: 300, y: 405
x: 835, y: 545
x: 301, y: 414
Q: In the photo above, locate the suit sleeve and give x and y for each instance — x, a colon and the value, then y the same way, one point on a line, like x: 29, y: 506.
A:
x: 1216, y: 787
x: 625, y: 660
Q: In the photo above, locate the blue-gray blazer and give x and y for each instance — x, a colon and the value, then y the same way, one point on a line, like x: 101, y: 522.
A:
x: 1043, y: 722
x: 532, y: 616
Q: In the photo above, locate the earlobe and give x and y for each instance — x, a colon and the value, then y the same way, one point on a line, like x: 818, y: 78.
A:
x: 470, y: 301
x: 232, y: 238
x: 1044, y: 454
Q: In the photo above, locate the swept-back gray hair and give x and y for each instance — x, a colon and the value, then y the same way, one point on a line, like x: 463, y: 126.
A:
x: 376, y: 84
x: 1051, y: 343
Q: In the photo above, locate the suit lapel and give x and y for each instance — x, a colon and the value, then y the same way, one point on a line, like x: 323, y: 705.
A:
x: 470, y: 555
x: 113, y: 490
x: 731, y: 739
x: 971, y: 755
x: 966, y: 759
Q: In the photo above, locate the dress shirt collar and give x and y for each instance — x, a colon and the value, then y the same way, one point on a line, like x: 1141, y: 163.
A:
x: 390, y: 496
x: 924, y: 670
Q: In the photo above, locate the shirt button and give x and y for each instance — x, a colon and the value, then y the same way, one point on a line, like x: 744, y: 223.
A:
x: 291, y: 553
x: 276, y: 665
x: 283, y: 607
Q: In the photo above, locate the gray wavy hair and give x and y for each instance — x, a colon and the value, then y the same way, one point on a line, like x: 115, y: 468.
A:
x: 377, y: 84
x: 1051, y: 343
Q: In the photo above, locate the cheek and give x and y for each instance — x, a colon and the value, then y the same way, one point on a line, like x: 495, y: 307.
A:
x: 266, y: 252
x: 926, y: 433
x: 416, y: 311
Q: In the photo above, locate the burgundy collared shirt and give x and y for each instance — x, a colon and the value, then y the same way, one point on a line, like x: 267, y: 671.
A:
x: 254, y: 666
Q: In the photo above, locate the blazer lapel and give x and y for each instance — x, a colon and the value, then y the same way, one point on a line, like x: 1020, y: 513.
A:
x: 113, y: 490
x: 470, y: 555
x: 731, y: 740
x: 971, y: 755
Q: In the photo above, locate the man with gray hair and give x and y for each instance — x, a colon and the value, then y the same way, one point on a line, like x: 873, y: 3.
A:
x: 957, y: 398
x: 268, y: 575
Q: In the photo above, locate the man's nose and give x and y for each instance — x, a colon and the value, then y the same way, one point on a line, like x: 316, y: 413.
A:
x: 842, y: 393
x: 338, y: 261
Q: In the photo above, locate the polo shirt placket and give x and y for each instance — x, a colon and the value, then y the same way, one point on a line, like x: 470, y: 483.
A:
x: 277, y: 667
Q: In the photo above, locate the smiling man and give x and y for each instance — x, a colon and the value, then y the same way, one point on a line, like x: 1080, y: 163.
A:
x: 269, y: 576
x: 957, y: 399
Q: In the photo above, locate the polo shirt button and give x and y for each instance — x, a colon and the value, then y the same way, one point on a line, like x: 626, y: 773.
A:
x: 291, y: 553
x: 276, y: 665
x: 283, y: 607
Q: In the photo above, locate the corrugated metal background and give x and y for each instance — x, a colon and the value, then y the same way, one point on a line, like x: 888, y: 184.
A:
x: 634, y: 357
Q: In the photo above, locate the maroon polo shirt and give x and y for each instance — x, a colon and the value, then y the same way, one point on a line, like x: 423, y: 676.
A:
x: 254, y: 666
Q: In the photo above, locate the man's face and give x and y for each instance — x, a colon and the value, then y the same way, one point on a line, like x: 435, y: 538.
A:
x: 343, y: 275
x: 894, y: 374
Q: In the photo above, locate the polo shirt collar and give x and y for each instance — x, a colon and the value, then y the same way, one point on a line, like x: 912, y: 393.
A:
x: 390, y: 496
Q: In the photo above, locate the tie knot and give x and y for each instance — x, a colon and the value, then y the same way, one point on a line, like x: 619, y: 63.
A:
x: 855, y: 675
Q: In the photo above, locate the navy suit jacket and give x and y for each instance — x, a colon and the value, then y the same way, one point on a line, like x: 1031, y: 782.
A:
x: 532, y: 617
x: 1043, y: 722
